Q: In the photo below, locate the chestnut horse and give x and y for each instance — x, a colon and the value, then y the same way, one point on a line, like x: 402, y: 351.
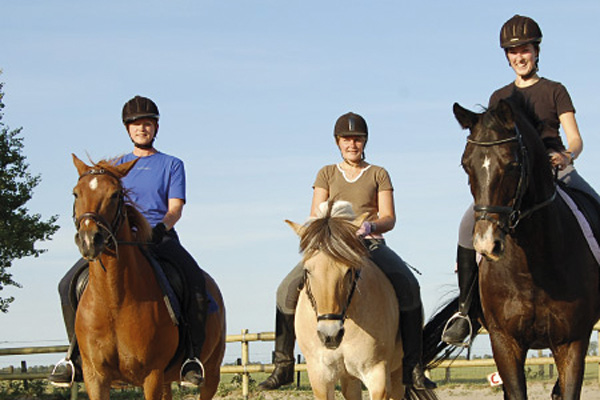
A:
x: 122, y: 324
x: 539, y: 281
x: 347, y: 313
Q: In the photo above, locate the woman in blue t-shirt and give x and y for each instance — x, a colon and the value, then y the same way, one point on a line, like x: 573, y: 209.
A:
x: 156, y: 185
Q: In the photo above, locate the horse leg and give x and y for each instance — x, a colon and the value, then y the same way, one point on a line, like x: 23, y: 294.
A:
x: 322, y: 384
x: 570, y: 362
x: 211, y: 382
x: 154, y: 385
x: 351, y: 388
x: 96, y: 385
x: 510, y: 359
x: 167, y: 392
x: 378, y: 382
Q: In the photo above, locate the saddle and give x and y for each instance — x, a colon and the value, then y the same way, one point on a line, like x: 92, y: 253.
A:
x: 589, y: 210
x: 169, y: 279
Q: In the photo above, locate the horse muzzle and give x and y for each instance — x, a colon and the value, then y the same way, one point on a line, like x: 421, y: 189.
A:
x: 489, y: 240
x: 331, y: 333
x: 90, y: 243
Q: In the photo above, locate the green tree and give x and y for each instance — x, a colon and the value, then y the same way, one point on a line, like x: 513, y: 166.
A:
x: 19, y: 230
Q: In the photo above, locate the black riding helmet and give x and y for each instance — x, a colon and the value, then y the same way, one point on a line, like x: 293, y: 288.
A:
x: 350, y: 124
x: 520, y: 30
x: 139, y: 107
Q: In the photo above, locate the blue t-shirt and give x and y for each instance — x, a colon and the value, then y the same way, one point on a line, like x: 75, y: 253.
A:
x: 152, y: 182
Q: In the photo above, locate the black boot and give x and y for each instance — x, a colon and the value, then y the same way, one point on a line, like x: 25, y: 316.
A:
x: 283, y: 356
x: 68, y: 370
x: 192, y: 370
x: 411, y: 329
x: 459, y: 326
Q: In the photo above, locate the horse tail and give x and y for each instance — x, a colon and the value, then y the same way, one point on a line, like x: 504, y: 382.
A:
x: 434, y: 349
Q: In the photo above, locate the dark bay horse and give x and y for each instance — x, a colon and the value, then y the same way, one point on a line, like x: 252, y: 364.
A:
x: 123, y: 326
x: 539, y: 281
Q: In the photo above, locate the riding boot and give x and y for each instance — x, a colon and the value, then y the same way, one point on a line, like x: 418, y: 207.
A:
x: 68, y: 370
x: 411, y: 329
x: 192, y: 370
x: 459, y: 325
x: 283, y: 356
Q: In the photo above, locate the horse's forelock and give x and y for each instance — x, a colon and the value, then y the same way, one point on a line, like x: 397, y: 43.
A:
x: 334, y: 236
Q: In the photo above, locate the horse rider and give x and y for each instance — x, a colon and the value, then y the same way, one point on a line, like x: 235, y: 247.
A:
x: 157, y: 186
x: 369, y: 189
x: 549, y: 101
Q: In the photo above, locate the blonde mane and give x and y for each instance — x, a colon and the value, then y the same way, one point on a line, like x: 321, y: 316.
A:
x: 334, y: 233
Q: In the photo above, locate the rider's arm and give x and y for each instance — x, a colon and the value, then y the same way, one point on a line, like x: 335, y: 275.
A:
x: 574, y: 141
x: 174, y: 213
x: 386, y: 212
x: 319, y: 195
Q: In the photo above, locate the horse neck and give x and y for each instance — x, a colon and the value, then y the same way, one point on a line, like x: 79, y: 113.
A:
x: 117, y: 274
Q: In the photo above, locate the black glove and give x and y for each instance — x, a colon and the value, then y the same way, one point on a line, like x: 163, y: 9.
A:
x: 158, y: 233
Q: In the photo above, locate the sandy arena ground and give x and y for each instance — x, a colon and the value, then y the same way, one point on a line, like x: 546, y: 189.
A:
x: 536, y: 391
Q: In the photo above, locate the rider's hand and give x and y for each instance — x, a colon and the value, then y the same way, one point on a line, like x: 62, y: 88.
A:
x: 365, y: 229
x: 158, y: 233
x: 559, y: 160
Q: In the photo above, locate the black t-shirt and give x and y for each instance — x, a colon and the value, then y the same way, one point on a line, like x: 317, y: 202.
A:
x: 547, y: 100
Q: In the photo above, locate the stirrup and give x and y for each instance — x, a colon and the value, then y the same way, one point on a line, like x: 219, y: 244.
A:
x: 194, y: 360
x: 459, y: 315
x: 69, y: 363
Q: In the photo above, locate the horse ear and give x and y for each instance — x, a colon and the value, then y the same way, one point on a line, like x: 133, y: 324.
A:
x: 358, y: 221
x: 124, y: 168
x: 466, y: 118
x: 80, y: 165
x: 505, y: 114
x: 296, y: 227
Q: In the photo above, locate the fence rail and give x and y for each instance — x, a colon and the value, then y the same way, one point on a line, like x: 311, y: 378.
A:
x: 246, y: 367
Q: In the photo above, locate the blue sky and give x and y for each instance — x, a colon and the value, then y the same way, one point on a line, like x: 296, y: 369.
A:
x: 249, y: 93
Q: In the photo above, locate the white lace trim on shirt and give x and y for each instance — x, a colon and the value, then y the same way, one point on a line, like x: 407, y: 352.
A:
x: 357, y: 177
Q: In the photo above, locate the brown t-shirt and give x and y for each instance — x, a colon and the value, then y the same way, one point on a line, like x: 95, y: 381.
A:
x: 547, y: 100
x: 360, y: 192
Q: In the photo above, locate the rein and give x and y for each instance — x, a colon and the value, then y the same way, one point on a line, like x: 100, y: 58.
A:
x: 513, y: 213
x: 332, y: 317
x: 109, y: 228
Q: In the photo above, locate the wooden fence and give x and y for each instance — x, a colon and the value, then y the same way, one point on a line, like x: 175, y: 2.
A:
x: 246, y: 367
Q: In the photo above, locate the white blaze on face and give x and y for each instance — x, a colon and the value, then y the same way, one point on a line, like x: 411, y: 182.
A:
x: 486, y: 167
x: 94, y: 184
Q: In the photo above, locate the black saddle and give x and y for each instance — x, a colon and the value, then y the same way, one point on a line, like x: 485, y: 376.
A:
x: 588, y: 206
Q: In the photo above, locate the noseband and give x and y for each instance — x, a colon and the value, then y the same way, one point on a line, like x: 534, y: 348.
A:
x: 332, y: 317
x: 513, y: 213
x: 109, y: 228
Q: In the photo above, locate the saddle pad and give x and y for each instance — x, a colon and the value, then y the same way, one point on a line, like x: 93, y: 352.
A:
x: 583, y: 223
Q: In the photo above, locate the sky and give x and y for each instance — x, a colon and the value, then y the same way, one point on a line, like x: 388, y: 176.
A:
x: 249, y: 92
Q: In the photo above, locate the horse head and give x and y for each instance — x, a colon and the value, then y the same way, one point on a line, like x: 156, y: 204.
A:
x: 507, y: 165
x: 98, y: 208
x: 332, y: 256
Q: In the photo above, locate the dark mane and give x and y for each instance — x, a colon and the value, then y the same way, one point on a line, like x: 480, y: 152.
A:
x: 336, y: 237
x: 136, y: 219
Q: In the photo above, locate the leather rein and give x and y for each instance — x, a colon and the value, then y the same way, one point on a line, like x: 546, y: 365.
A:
x: 110, y: 228
x: 332, y: 317
x: 513, y: 214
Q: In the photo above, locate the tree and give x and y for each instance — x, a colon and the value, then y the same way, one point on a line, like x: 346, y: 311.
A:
x: 19, y: 230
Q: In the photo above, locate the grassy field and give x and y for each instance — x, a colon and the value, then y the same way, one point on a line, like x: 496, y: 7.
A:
x: 462, y: 380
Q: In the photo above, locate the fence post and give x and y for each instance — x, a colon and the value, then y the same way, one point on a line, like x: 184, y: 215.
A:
x: 245, y: 358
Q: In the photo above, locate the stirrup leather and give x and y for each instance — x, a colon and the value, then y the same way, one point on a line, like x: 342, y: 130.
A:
x: 69, y: 363
x: 459, y: 315
x: 194, y: 360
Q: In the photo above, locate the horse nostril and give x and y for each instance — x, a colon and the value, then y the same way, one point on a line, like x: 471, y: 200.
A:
x: 98, y: 239
x: 498, y: 247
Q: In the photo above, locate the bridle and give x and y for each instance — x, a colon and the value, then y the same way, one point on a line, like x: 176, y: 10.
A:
x: 332, y: 317
x: 110, y: 228
x: 513, y: 213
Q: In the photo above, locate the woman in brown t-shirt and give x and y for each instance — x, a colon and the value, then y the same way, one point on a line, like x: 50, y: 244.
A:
x: 369, y: 189
x: 549, y: 101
